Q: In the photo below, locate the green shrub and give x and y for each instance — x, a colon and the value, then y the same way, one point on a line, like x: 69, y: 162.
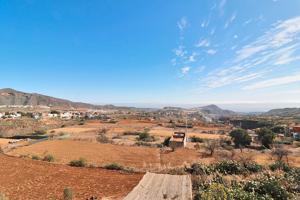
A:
x: 40, y: 132
x: 78, y: 163
x: 195, y: 139
x: 139, y: 143
x: 49, y: 158
x: 266, y: 137
x: 35, y: 157
x: 131, y: 133
x: 293, y: 178
x: 240, y: 138
x: 144, y: 136
x: 229, y: 167
x: 237, y: 193
x: 200, y: 169
x: 253, y: 167
x: 167, y: 141
x: 68, y: 194
x: 280, y: 165
x: 81, y: 123
x: 268, y: 186
x: 114, y: 166
x: 215, y: 191
x: 177, y: 171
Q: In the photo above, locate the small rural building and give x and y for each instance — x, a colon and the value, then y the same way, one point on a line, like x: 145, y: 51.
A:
x: 296, y: 129
x: 178, y: 140
x: 296, y: 132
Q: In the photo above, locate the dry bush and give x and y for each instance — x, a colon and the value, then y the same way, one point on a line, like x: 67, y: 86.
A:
x: 3, y: 197
x: 280, y: 152
x: 245, y: 158
x: 102, y: 131
x: 68, y: 194
x: 211, y: 146
x: 102, y: 138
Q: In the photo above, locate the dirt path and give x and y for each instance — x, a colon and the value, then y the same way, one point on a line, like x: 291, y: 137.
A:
x: 22, y: 179
x: 162, y: 187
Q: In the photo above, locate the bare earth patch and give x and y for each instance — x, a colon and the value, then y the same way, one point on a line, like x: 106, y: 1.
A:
x: 22, y: 179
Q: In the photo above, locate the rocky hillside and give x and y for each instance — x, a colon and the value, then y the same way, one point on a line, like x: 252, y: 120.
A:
x: 215, y: 110
x: 284, y: 112
x: 12, y: 97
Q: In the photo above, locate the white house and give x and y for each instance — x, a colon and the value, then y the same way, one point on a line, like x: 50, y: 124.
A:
x: 52, y: 115
x: 66, y: 115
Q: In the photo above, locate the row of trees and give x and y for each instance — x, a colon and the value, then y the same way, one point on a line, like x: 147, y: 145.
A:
x: 242, y: 139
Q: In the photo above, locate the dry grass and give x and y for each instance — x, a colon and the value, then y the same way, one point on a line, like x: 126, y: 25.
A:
x: 100, y: 154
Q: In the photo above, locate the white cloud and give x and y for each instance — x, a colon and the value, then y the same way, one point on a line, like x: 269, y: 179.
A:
x: 203, y: 43
x: 230, y: 20
x: 192, y: 57
x: 211, y: 51
x: 204, y: 24
x: 185, y: 70
x: 180, y: 52
x: 274, y: 82
x: 283, y: 33
x: 182, y: 24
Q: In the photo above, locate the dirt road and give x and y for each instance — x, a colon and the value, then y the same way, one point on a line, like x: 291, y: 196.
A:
x: 162, y: 186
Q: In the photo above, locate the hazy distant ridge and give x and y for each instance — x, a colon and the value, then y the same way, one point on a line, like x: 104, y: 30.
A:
x: 13, y: 97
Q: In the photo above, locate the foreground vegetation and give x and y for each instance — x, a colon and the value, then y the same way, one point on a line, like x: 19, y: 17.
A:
x: 231, y: 180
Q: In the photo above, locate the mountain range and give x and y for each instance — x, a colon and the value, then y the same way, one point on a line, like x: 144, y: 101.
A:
x: 10, y: 97
x: 284, y: 112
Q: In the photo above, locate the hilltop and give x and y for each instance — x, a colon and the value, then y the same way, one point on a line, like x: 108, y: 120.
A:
x: 10, y: 96
x: 284, y: 112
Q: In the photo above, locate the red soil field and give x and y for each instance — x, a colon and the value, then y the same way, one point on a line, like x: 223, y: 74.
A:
x: 22, y: 179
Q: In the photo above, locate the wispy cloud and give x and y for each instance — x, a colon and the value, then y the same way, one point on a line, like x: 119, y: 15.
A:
x: 203, y: 43
x: 185, y: 70
x: 192, y: 58
x: 230, y: 20
x: 274, y: 49
x: 211, y: 52
x: 182, y: 23
x: 283, y: 33
x: 274, y: 82
x: 180, y: 51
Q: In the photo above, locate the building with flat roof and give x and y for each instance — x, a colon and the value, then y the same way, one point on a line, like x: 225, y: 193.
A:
x: 178, y: 140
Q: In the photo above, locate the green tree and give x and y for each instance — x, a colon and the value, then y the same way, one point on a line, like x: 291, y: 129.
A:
x: 278, y: 129
x: 266, y: 137
x: 240, y: 138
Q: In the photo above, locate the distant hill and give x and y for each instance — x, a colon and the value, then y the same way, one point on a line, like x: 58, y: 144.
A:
x: 10, y: 96
x: 215, y: 111
x: 284, y: 112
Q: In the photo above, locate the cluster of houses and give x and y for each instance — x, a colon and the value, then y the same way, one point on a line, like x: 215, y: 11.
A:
x: 65, y: 115
x: 13, y: 115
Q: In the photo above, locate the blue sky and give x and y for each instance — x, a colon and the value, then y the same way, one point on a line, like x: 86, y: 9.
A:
x: 153, y: 52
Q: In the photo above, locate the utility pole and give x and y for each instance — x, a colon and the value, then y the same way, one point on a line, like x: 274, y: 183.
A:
x: 186, y: 124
